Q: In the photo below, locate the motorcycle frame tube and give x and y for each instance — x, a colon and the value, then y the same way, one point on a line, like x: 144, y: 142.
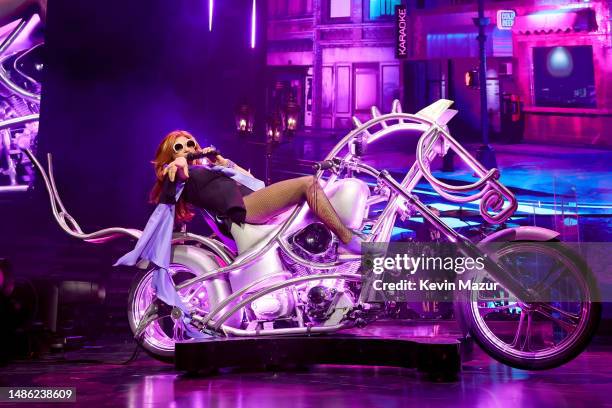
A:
x: 494, y: 194
x: 13, y: 35
x: 63, y: 218
x: 5, y: 141
x: 17, y: 60
x: 384, y: 223
x: 286, y: 331
x: 317, y: 265
x: 239, y: 293
x: 217, y: 247
x: 383, y: 226
x: 31, y: 97
x: 18, y: 121
x: 269, y: 289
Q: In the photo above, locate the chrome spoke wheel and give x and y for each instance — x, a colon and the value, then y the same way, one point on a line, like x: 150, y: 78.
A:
x: 165, y: 331
x: 540, y: 334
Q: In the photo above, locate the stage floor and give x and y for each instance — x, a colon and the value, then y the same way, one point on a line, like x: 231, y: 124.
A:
x: 101, y: 381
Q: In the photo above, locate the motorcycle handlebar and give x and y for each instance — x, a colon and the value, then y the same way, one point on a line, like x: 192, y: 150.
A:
x: 326, y: 164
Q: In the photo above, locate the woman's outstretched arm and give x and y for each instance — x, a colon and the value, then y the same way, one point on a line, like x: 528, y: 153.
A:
x: 222, y: 161
x: 179, y: 167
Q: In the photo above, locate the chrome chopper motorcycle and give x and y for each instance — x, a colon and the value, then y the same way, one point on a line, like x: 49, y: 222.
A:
x: 287, y: 278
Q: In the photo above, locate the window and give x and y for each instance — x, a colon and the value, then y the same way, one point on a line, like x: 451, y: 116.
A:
x: 327, y: 90
x: 390, y: 86
x: 564, y: 77
x: 339, y: 8
x: 380, y: 9
x: 299, y: 7
x: 293, y: 8
x: 365, y: 87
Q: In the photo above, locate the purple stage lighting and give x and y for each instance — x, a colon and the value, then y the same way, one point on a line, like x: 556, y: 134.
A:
x: 210, y: 14
x: 253, y: 18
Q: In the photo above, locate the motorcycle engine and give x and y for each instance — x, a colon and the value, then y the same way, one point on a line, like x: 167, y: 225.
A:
x: 313, y: 240
x: 316, y: 243
x: 326, y: 300
x: 319, y: 300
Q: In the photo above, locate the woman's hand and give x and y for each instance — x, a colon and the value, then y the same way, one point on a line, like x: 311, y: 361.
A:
x: 217, y: 160
x: 207, y: 149
x: 180, y: 166
x: 220, y: 161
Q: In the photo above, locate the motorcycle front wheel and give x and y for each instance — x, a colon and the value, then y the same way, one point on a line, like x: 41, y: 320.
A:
x: 538, y: 335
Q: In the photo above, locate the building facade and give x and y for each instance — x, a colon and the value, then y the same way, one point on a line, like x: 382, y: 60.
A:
x: 548, y: 77
x: 338, y: 54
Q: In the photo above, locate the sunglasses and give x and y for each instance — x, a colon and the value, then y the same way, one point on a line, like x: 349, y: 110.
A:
x: 179, y: 146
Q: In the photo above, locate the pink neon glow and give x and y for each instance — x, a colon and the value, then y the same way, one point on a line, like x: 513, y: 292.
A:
x: 253, y: 18
x: 210, y: 14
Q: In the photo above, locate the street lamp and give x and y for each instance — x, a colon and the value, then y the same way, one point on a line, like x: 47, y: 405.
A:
x: 486, y: 154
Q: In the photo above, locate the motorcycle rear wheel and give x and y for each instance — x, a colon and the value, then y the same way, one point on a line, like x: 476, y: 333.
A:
x: 534, y: 336
x: 159, y: 337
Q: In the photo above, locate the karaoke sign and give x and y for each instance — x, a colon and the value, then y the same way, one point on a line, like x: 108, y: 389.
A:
x: 401, y: 49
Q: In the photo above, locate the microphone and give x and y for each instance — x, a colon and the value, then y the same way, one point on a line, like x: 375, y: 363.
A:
x: 199, y: 155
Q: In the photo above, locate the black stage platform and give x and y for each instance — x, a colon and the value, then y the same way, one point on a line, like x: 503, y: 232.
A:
x: 437, y: 358
x: 101, y: 380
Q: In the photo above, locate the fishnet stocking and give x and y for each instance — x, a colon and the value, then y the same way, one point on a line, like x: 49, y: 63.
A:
x: 261, y: 205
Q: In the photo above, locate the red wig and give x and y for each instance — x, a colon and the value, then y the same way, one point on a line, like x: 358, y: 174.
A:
x: 165, y: 155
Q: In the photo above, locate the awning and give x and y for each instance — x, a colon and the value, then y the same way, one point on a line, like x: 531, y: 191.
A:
x: 556, y: 21
x: 462, y: 42
x: 289, y: 52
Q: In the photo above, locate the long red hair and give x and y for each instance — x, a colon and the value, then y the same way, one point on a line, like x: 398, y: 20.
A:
x: 165, y: 155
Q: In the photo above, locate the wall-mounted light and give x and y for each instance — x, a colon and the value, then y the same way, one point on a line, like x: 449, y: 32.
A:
x: 292, y: 110
x: 244, y: 120
x: 291, y: 123
x: 274, y: 128
x: 274, y: 135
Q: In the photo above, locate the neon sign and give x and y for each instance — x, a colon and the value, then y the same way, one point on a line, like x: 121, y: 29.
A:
x: 400, y: 32
x: 505, y: 19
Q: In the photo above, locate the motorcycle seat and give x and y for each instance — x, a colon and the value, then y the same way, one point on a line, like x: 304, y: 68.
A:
x: 244, y: 236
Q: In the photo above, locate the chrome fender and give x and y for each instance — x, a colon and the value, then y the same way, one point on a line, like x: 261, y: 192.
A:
x: 527, y: 233
x: 201, y: 261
